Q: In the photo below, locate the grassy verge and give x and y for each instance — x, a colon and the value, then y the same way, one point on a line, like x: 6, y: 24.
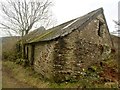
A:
x: 92, y: 79
x: 26, y: 75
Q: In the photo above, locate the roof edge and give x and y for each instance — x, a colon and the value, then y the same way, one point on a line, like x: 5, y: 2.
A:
x: 95, y: 14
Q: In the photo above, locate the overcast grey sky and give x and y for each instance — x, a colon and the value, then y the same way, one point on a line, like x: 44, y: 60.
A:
x: 65, y: 10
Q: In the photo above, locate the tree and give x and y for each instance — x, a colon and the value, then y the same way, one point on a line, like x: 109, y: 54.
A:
x: 21, y: 16
x: 117, y: 26
x: 116, y: 22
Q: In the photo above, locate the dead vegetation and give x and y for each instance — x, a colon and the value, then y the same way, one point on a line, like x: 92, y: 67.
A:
x: 102, y: 74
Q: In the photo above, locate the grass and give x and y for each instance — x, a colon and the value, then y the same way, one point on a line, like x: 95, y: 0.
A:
x: 25, y: 75
x: 92, y: 80
x: 0, y: 74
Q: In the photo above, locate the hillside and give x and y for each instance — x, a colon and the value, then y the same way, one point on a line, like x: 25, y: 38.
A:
x: 8, y: 46
x: 9, y: 42
x: 9, y: 39
x: 116, y: 42
x: 0, y: 48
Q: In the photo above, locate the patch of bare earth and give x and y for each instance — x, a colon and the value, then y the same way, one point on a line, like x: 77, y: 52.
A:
x: 8, y: 80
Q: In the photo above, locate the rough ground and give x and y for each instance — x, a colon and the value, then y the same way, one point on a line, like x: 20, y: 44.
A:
x: 8, y: 80
x: 15, y: 76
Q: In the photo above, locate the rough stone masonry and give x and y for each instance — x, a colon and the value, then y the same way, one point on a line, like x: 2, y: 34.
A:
x: 62, y: 52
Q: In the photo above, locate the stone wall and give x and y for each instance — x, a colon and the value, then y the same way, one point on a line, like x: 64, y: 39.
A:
x: 80, y: 49
x: 59, y: 60
x: 64, y: 59
x: 43, y: 59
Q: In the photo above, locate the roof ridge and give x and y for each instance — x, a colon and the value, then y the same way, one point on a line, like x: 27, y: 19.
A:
x: 96, y: 12
x: 67, y: 27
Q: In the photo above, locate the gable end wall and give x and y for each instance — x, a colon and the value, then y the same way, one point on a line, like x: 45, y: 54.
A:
x: 65, y: 58
x: 81, y: 49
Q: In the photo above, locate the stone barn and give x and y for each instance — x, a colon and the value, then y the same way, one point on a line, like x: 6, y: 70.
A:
x: 62, y: 52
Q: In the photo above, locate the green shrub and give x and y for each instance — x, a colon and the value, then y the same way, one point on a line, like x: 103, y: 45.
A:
x: 10, y: 55
x: 23, y: 62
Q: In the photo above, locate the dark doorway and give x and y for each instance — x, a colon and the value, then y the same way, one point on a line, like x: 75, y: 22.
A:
x: 27, y: 52
x: 32, y: 54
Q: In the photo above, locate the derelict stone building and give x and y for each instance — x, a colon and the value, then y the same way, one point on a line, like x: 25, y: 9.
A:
x: 61, y: 53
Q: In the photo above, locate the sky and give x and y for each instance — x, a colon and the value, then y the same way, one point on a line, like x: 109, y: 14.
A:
x: 65, y: 10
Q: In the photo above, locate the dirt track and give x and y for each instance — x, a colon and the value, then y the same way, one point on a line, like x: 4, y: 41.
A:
x: 8, y: 80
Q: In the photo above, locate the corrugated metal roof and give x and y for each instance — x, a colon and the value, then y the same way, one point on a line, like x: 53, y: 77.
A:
x: 63, y: 29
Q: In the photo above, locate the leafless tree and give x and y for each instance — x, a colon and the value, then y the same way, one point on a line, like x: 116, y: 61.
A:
x: 21, y: 16
x: 117, y: 25
x: 117, y: 22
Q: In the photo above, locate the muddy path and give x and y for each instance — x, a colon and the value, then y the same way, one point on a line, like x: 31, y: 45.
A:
x: 9, y: 81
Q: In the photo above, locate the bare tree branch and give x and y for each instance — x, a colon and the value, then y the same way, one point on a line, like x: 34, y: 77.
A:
x: 21, y: 16
x: 116, y: 22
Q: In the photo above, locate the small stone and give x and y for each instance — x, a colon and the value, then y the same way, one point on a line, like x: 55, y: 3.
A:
x: 78, y: 64
x: 83, y: 69
x: 59, y: 55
